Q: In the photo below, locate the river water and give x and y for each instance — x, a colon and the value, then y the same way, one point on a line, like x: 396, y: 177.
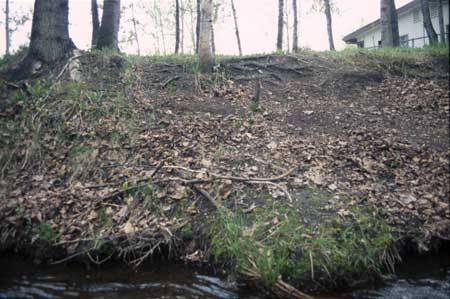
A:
x: 416, y: 279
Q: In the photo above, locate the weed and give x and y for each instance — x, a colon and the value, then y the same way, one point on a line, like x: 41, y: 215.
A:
x: 254, y: 106
x: 45, y: 232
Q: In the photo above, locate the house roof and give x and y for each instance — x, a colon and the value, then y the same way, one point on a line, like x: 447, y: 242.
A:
x: 352, y: 36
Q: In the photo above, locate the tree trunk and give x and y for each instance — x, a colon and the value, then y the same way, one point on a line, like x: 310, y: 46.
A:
x: 50, y: 41
x: 95, y: 23
x: 389, y: 24
x: 213, y: 39
x: 295, y: 34
x: 108, y: 35
x: 431, y: 33
x: 236, y: 27
x: 286, y: 23
x: 177, y: 26
x: 206, y: 57
x: 280, y: 25
x: 182, y: 12
x: 161, y: 27
x: 7, y: 31
x: 193, y: 33
x: 441, y: 21
x: 136, y: 35
x: 197, y: 27
x: 329, y: 24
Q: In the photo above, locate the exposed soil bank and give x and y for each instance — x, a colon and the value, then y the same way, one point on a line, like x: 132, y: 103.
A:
x: 318, y: 178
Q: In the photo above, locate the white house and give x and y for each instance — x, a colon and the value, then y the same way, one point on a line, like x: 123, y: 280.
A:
x: 410, y: 25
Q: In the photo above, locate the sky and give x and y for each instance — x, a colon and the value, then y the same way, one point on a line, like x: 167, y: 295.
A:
x: 257, y: 23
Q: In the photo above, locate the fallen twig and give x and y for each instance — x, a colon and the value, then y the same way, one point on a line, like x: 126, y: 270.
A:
x: 169, y: 80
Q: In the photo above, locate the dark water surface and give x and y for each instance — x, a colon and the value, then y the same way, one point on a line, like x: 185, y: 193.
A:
x: 417, y: 279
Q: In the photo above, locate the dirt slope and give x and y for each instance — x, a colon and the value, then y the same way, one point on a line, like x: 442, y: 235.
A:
x: 120, y: 163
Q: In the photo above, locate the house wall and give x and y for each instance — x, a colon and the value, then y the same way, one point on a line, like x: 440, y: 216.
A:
x: 409, y: 25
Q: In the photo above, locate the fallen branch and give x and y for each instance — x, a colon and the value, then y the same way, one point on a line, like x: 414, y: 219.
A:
x: 169, y: 80
x: 236, y: 178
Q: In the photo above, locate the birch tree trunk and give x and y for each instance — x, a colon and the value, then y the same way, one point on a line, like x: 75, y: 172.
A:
x: 295, y: 34
x: 136, y: 34
x: 7, y: 31
x: 95, y: 23
x: 182, y: 27
x: 329, y: 24
x: 206, y: 57
x: 197, y: 27
x: 286, y: 23
x: 441, y: 21
x: 108, y: 35
x: 280, y: 25
x: 389, y: 24
x: 236, y: 27
x: 177, y: 26
x: 431, y: 33
x: 193, y: 32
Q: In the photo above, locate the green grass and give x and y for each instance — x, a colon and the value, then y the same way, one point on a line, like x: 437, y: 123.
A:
x: 45, y: 232
x: 274, y: 242
x: 400, y: 52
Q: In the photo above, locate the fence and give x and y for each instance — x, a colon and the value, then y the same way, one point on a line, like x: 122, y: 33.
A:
x: 417, y: 42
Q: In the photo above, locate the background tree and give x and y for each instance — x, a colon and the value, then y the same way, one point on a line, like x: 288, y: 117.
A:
x: 95, y: 22
x: 389, y: 24
x: 177, y: 26
x: 441, y: 21
x: 295, y: 34
x: 327, y: 8
x: 108, y: 35
x: 135, y: 22
x: 198, y: 25
x: 286, y: 23
x: 431, y: 33
x: 280, y: 25
x: 236, y: 27
x: 50, y: 41
x: 206, y: 57
x: 7, y: 31
x: 14, y: 19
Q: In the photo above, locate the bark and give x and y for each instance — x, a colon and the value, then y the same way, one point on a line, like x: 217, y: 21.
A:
x: 441, y: 21
x: 193, y: 33
x: 177, y: 26
x: 95, y: 23
x: 329, y: 24
x: 236, y: 27
x: 287, y: 26
x: 206, y: 57
x: 295, y: 34
x: 431, y: 33
x: 197, y: 27
x: 182, y: 12
x: 389, y: 24
x: 50, y: 41
x: 136, y: 35
x: 108, y: 35
x: 213, y: 39
x: 280, y: 25
x: 7, y: 31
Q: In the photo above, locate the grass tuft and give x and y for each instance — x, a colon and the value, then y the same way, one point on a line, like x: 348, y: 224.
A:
x: 276, y: 244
